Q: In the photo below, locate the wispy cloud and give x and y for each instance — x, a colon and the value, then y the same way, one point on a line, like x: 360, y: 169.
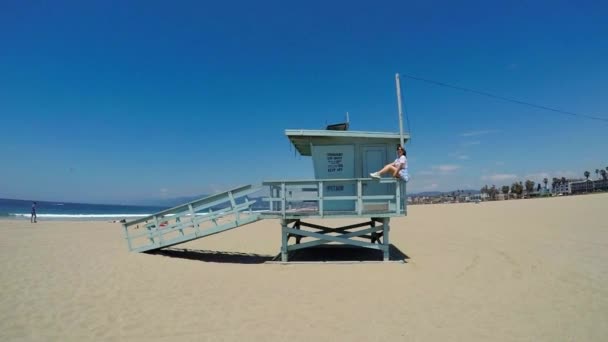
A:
x: 459, y: 155
x: 439, y: 170
x: 446, y: 168
x: 499, y: 177
x: 471, y: 143
x: 477, y: 133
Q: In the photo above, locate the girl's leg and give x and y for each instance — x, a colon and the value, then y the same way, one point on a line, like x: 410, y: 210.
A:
x: 387, y: 168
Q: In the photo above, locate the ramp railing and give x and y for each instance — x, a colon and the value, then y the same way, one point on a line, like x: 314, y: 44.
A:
x: 193, y: 220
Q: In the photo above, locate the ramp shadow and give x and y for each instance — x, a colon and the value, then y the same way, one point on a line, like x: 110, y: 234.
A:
x: 213, y: 256
x: 343, y: 253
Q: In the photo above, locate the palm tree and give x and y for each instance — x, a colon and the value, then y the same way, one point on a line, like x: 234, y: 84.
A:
x: 517, y: 189
x: 505, y: 191
x: 603, y: 173
x: 554, y: 183
x: 597, y: 173
x: 545, y: 180
x: 529, y: 186
x: 587, y: 174
x: 484, y: 189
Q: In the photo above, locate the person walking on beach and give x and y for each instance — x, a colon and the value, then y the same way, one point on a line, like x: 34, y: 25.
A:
x: 33, y: 218
x: 398, y: 168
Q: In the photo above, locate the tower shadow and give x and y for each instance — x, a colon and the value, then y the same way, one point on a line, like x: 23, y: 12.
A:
x: 343, y: 253
x: 213, y: 256
x: 325, y: 253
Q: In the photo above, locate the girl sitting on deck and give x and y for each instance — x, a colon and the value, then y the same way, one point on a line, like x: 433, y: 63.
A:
x: 398, y: 168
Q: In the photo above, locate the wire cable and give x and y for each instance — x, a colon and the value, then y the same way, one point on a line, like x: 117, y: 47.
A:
x: 442, y: 84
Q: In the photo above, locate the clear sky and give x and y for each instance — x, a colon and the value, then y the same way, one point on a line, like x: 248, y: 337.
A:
x: 114, y: 101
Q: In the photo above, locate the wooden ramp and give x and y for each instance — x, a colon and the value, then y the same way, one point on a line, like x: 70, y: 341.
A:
x: 193, y: 220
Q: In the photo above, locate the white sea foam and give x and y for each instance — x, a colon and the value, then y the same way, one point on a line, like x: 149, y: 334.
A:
x: 101, y: 216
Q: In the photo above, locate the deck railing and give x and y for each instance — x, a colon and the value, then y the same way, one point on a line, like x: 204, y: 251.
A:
x: 346, y: 197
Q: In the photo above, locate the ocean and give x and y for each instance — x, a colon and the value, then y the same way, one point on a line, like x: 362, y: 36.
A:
x: 21, y: 209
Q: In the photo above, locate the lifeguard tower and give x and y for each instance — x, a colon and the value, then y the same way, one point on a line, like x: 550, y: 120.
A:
x: 342, y: 161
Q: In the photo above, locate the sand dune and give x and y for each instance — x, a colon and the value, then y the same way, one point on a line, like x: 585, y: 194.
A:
x: 527, y: 270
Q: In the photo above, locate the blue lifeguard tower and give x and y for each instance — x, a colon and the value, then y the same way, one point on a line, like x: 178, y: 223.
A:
x: 342, y: 161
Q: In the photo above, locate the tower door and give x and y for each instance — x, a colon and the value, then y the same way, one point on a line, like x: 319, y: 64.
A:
x: 374, y: 158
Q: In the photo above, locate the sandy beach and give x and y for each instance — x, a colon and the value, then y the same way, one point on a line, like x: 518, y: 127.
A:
x: 519, y: 270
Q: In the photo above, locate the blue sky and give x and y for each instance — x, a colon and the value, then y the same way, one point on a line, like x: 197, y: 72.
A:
x: 109, y: 101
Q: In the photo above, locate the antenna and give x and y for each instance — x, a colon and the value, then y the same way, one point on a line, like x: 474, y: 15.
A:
x: 347, y: 120
x: 398, y: 85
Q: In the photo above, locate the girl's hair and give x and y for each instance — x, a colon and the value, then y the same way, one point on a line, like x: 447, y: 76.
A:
x: 402, y: 149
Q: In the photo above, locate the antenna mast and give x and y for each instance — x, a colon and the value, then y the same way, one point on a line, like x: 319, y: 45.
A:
x: 398, y: 84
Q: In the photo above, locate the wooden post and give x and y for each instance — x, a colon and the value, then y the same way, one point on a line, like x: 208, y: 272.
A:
x: 271, y: 197
x: 284, y: 241
x: 321, y: 198
x: 297, y: 226
x: 233, y: 205
x: 385, y: 239
x: 398, y: 196
x: 193, y: 217
x: 127, y: 236
x: 160, y: 234
x: 283, y: 198
x: 359, y: 199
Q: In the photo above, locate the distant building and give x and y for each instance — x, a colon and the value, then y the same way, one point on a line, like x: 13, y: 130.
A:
x: 540, y: 193
x: 581, y: 186
x: 601, y: 184
x: 584, y: 186
x: 480, y: 196
x: 565, y: 188
x: 562, y: 188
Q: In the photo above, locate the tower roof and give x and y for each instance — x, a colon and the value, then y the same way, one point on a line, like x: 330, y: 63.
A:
x: 302, y: 139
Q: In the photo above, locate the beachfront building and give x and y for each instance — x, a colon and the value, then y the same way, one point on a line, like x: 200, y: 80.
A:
x: 542, y: 192
x: 585, y: 186
x: 601, y: 185
x: 581, y: 186
x: 479, y: 197
x: 564, y: 188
